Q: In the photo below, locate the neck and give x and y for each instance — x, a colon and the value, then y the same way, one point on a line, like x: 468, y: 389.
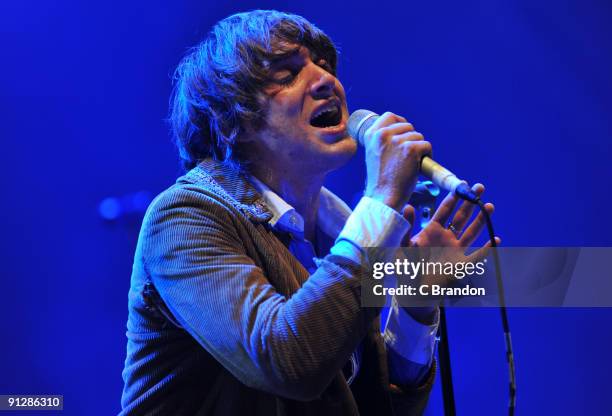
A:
x: 300, y: 191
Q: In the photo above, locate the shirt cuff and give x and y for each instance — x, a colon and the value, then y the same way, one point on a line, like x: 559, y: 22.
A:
x: 408, y: 338
x: 374, y: 224
x: 348, y: 250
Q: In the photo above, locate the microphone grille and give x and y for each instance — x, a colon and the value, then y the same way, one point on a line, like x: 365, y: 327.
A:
x: 359, y: 122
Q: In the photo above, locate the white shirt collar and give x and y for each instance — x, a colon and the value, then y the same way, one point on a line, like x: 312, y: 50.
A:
x: 331, y: 216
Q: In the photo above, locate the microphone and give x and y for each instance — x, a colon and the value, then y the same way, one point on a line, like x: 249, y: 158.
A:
x: 361, y: 120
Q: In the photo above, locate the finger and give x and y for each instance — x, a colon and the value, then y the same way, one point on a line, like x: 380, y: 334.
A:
x: 410, y: 216
x: 386, y: 119
x: 475, y: 228
x: 483, y: 251
x: 445, y: 209
x: 465, y: 211
x: 411, y: 136
x: 395, y: 129
x: 415, y: 150
x: 392, y: 117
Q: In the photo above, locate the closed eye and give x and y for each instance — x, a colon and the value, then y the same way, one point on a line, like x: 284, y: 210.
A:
x: 286, y: 75
x: 287, y: 67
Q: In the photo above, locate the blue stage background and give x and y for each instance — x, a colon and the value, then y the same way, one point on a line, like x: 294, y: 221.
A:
x: 515, y: 94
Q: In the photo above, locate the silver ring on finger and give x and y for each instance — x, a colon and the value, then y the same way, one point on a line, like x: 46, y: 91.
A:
x: 454, y: 230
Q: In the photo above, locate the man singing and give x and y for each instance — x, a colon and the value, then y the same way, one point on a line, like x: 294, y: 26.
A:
x: 245, y: 295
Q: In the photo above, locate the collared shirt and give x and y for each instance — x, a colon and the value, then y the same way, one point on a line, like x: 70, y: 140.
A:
x: 371, y: 224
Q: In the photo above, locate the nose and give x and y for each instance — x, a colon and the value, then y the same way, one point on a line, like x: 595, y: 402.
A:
x: 323, y: 83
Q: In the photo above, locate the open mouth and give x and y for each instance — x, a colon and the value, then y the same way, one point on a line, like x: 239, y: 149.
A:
x: 327, y: 116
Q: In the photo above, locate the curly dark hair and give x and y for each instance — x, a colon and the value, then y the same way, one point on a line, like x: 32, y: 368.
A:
x: 218, y: 82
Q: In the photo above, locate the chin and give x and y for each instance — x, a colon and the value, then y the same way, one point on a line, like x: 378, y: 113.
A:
x: 341, y: 152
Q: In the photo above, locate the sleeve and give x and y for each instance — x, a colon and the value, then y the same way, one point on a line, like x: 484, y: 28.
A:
x: 410, y: 344
x: 290, y: 347
x: 372, y: 224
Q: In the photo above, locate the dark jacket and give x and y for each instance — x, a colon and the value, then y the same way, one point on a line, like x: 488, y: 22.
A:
x: 223, y: 320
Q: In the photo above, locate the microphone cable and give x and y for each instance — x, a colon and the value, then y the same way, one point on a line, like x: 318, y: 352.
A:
x: 502, y: 310
x: 445, y: 373
x: 358, y: 123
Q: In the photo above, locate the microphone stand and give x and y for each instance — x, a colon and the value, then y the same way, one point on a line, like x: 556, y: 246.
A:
x: 448, y: 395
x: 424, y: 199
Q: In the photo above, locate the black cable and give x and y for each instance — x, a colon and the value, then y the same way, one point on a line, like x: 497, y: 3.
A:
x: 502, y: 310
x: 445, y: 367
x: 464, y: 192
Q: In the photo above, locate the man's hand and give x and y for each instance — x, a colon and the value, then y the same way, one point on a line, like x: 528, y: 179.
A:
x: 437, y: 233
x: 462, y: 231
x: 393, y: 157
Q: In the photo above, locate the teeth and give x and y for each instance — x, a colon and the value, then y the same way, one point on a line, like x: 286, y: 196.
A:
x: 331, y: 109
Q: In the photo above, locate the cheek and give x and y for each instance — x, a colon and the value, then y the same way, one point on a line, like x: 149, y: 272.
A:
x: 290, y: 99
x: 280, y: 114
x: 340, y: 88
